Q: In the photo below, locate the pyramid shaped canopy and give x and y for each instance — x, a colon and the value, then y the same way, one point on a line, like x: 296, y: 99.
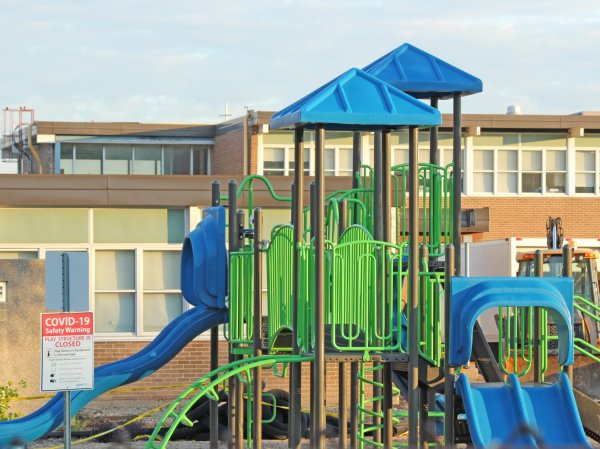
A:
x: 356, y: 101
x: 422, y: 75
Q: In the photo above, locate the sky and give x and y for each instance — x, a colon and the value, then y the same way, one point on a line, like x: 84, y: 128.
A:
x: 180, y: 61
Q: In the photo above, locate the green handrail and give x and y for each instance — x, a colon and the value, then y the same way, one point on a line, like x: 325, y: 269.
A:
x: 435, y: 201
x: 358, y: 304
x: 241, y: 286
x: 208, y: 386
x: 280, y: 274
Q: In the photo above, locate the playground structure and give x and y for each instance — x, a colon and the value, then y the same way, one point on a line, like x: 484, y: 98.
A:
x: 345, y: 285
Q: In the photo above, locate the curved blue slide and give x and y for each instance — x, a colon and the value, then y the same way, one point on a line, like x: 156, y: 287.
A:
x: 501, y: 413
x: 159, y: 352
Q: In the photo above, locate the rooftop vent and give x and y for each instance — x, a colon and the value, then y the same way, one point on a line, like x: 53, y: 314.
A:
x: 514, y: 109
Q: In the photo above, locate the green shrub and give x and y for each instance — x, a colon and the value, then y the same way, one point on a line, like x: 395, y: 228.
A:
x: 9, y: 392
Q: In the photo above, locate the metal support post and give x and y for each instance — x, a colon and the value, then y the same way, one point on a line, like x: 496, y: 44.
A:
x: 319, y: 410
x: 424, y: 406
x: 567, y: 257
x: 448, y: 370
x: 238, y: 429
x: 356, y: 163
x: 538, y: 376
x: 378, y: 235
x: 313, y: 228
x: 66, y: 308
x: 353, y: 405
x: 413, y: 287
x: 257, y: 332
x: 233, y: 407
x: 356, y: 157
x: 297, y: 212
x: 386, y: 168
x: 457, y: 188
x: 434, y: 157
x: 343, y: 366
x: 214, y: 346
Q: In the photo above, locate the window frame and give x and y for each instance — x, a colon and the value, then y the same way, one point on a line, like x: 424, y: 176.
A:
x: 138, y: 291
x: 595, y: 171
x: 520, y: 171
x: 191, y: 148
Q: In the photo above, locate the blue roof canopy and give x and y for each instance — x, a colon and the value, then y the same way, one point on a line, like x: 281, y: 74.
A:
x: 356, y: 101
x: 422, y: 75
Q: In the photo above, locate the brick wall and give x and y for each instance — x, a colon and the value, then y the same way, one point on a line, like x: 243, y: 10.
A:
x: 254, y: 151
x: 526, y: 216
x: 191, y: 364
x: 227, y: 157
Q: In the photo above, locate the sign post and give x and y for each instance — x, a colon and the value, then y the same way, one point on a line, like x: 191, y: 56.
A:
x: 67, y: 351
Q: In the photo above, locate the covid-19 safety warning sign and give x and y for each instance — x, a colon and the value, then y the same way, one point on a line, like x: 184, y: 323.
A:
x: 67, y: 351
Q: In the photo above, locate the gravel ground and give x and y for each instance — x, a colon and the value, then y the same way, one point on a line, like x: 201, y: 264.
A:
x: 94, y: 418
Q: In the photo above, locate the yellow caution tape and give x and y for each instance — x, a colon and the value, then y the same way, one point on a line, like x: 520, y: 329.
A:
x: 121, y: 426
x: 116, y: 390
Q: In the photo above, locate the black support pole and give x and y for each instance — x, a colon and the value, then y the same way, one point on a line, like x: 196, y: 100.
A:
x: 356, y: 163
x: 378, y: 235
x: 214, y: 346
x: 296, y: 368
x: 233, y: 385
x: 413, y: 287
x: 567, y: 257
x: 239, y: 390
x: 313, y: 227
x: 424, y: 406
x: 457, y: 188
x: 538, y: 269
x: 386, y: 168
x: 343, y: 366
x: 434, y: 157
x: 448, y: 370
x: 257, y: 332
x: 319, y: 409
x: 356, y: 157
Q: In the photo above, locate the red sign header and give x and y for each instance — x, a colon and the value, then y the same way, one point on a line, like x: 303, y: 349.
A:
x: 64, y: 324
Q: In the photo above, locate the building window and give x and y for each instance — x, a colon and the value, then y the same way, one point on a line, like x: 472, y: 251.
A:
x: 274, y: 161
x: 162, y: 300
x: 136, y: 291
x: 585, y: 171
x: 556, y: 171
x: 279, y: 161
x: 138, y: 159
x: 495, y: 170
x: 483, y: 171
x: 329, y: 162
x: 531, y: 174
x: 118, y: 160
x: 292, y: 162
x: 507, y: 170
x: 67, y: 152
x: 115, y: 291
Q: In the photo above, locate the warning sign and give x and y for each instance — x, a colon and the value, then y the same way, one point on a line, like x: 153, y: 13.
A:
x: 67, y: 351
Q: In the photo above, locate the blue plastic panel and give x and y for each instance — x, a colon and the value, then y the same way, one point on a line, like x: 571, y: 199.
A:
x: 204, y: 261
x: 422, y: 75
x: 356, y: 100
x: 472, y: 295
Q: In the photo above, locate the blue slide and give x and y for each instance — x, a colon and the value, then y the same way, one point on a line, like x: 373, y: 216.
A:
x: 502, y: 413
x: 203, y: 283
x: 163, y: 348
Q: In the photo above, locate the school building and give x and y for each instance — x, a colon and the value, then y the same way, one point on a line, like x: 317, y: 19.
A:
x: 126, y: 194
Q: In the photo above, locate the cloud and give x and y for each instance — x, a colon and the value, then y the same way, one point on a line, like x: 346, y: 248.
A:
x: 149, y: 61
